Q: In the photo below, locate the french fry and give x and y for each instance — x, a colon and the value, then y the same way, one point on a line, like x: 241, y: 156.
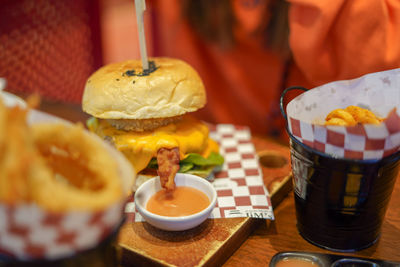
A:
x: 18, y: 159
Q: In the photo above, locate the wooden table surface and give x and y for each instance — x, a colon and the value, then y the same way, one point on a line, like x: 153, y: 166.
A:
x: 271, y: 237
x: 282, y: 235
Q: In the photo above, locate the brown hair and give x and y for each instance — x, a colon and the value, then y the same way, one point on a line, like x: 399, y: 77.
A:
x: 214, y: 21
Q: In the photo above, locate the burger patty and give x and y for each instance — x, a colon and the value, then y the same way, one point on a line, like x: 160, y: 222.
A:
x: 142, y: 124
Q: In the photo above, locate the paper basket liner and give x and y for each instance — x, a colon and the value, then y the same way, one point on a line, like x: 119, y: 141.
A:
x: 379, y: 92
x: 29, y: 232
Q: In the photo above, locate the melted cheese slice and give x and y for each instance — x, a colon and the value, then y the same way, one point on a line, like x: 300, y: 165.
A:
x: 189, y: 134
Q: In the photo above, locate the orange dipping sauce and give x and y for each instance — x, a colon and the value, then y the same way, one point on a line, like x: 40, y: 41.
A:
x: 295, y: 262
x: 182, y: 201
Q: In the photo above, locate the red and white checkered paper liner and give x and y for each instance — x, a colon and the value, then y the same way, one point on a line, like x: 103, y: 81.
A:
x: 239, y: 185
x: 29, y: 232
x: 379, y: 92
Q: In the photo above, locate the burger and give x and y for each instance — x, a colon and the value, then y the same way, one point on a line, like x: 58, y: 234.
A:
x: 147, y: 115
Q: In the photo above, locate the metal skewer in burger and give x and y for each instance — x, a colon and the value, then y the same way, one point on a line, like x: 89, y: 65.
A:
x: 145, y: 115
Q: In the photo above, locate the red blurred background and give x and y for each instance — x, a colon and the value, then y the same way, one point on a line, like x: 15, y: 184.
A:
x: 52, y: 47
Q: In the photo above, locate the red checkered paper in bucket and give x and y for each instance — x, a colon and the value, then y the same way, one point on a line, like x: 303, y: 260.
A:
x: 30, y: 232
x: 378, y: 92
x: 239, y: 185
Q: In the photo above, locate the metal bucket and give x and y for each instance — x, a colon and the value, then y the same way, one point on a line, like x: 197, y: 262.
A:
x: 340, y: 203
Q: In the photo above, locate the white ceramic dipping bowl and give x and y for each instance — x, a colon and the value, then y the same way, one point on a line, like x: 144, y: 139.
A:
x: 152, y: 186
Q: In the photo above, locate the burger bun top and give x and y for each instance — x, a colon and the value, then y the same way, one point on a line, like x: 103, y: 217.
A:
x: 122, y: 91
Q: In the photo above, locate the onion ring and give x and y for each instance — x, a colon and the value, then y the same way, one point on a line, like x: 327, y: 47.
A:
x: 85, y: 175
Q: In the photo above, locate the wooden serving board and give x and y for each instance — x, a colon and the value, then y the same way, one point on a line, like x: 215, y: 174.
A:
x: 212, y: 242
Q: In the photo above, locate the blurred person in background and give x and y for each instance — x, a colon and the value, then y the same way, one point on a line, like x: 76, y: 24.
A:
x: 248, y: 51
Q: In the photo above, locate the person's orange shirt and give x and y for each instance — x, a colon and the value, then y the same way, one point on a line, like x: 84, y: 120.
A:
x: 329, y: 40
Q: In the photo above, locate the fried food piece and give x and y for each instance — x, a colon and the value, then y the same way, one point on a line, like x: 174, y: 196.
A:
x: 362, y: 115
x: 60, y: 167
x: 168, y: 166
x: 343, y: 117
x: 19, y: 160
x: 350, y: 116
x: 85, y: 176
x: 336, y: 121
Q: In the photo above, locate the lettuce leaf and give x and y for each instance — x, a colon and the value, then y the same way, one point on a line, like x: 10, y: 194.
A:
x: 92, y: 123
x: 153, y: 164
x: 185, y: 167
x: 196, y: 164
x: 202, y: 172
x: 213, y: 159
